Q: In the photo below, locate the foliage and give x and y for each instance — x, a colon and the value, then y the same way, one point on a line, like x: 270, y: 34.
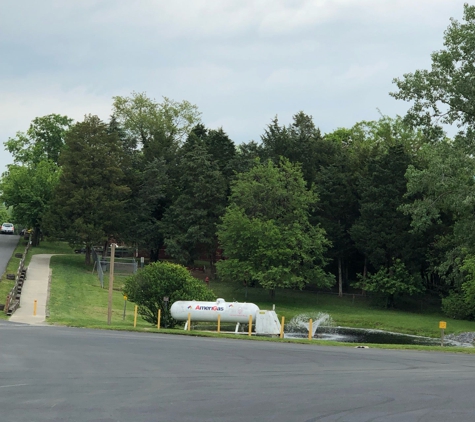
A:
x: 150, y: 285
x: 444, y: 94
x: 149, y: 200
x: 29, y: 190
x: 298, y: 142
x: 149, y: 122
x: 460, y: 302
x: 190, y: 222
x: 392, y: 281
x: 43, y: 141
x: 4, y: 215
x: 266, y: 234
x: 90, y: 199
x: 455, y: 306
x: 382, y: 231
x: 442, y: 209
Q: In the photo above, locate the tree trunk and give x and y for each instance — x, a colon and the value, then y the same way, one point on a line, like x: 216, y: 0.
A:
x: 365, y: 273
x: 340, y: 279
x: 272, y: 294
x: 35, y: 241
x: 88, y: 255
x: 346, y: 274
x: 154, y: 253
x: 104, y: 249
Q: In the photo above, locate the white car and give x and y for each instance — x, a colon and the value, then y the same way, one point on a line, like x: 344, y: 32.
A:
x: 7, y: 228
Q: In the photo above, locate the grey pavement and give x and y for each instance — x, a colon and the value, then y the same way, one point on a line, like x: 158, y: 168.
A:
x: 34, y: 288
x: 50, y: 373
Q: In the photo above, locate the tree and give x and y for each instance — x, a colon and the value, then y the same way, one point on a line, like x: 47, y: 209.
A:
x: 382, y: 231
x: 442, y: 210
x: 266, y: 234
x: 298, y: 142
x: 90, y: 199
x: 29, y: 191
x: 444, y: 94
x: 155, y: 125
x: 338, y: 205
x: 4, y: 216
x: 392, y: 281
x: 44, y: 140
x: 150, y: 285
x: 150, y: 198
x: 189, y: 224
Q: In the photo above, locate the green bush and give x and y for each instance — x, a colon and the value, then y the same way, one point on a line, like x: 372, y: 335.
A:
x: 150, y: 285
x: 456, y: 306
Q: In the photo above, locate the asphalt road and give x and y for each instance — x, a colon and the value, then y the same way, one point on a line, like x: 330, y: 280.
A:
x: 8, y: 243
x: 62, y: 374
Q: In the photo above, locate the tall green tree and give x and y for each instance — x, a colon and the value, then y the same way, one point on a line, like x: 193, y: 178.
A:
x: 28, y: 185
x: 442, y: 210
x: 266, y: 234
x: 29, y: 191
x: 43, y: 140
x: 155, y: 125
x: 382, y: 232
x: 297, y: 142
x: 444, y: 94
x: 91, y: 197
x: 189, y: 224
x: 150, y: 197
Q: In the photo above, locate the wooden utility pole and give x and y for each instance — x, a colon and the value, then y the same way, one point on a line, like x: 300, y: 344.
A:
x: 111, y: 284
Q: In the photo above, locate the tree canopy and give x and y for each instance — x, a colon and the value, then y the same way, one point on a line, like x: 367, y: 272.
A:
x: 91, y: 196
x: 266, y: 235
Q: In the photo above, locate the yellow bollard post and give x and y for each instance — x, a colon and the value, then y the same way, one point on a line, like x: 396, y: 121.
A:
x: 442, y: 326
x: 35, y: 304
x: 189, y: 321
x: 135, y: 315
x: 219, y: 323
x: 310, y: 329
x: 158, y: 319
x: 250, y: 325
x: 282, y: 327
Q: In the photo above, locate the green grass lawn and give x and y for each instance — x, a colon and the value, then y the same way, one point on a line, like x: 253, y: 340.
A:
x: 77, y: 299
x: 345, y: 311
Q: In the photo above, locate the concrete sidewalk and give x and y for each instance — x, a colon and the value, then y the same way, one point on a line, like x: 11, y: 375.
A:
x: 34, y: 288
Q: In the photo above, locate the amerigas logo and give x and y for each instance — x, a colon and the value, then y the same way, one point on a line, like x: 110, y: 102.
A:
x: 209, y: 308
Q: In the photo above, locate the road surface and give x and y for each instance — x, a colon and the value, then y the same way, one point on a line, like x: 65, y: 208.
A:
x: 8, y: 243
x: 63, y: 374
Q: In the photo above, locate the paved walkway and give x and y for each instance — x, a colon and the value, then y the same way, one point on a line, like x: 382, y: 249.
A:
x: 34, y: 288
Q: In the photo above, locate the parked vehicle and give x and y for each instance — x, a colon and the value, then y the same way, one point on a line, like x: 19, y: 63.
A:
x: 7, y: 228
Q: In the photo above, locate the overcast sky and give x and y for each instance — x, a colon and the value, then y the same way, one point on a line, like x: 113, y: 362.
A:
x: 240, y: 61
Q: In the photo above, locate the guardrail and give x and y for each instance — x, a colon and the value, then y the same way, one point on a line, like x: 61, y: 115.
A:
x: 12, y: 302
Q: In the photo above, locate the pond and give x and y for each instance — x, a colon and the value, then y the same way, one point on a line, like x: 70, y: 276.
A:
x: 360, y: 335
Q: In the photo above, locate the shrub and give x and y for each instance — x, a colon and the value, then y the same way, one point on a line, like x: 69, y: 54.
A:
x: 150, y: 285
x: 456, y: 306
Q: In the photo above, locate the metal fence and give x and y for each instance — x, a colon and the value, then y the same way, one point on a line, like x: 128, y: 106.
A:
x: 122, y: 266
x: 12, y: 302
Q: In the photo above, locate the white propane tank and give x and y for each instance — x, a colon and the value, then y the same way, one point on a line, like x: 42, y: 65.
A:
x: 209, y: 311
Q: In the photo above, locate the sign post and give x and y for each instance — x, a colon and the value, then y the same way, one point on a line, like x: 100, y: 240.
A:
x: 442, y: 326
x: 111, y: 284
x: 165, y: 305
x: 125, y: 307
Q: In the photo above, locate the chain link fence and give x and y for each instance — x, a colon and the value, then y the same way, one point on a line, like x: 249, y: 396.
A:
x: 122, y: 266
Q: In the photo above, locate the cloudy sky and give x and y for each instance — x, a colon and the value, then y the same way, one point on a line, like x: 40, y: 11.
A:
x: 240, y: 61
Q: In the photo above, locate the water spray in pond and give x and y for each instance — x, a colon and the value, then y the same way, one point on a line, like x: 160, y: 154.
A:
x: 300, y: 323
